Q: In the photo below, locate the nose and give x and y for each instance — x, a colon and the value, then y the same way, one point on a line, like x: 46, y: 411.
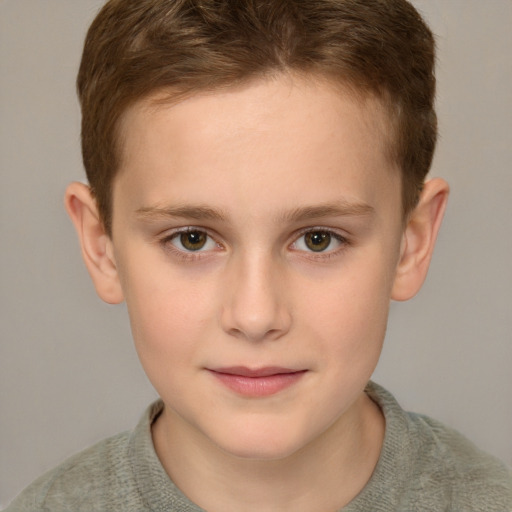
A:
x: 255, y: 306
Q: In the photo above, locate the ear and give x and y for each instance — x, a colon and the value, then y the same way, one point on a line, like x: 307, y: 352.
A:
x: 419, y: 238
x: 97, y: 248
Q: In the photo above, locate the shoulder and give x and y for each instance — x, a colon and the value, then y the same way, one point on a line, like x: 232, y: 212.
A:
x: 471, y: 473
x: 436, y: 465
x: 472, y: 476
x: 88, y: 473
x: 111, y: 475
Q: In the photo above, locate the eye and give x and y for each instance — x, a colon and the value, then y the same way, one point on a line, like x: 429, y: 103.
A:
x: 192, y: 240
x: 319, y: 240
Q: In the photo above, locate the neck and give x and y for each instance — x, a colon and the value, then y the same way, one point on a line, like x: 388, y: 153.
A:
x: 325, y: 475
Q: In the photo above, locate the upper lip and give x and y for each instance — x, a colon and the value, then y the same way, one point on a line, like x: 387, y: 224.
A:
x: 244, y: 371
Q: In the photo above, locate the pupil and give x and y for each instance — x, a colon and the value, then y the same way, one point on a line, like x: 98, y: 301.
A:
x: 193, y: 241
x: 318, y: 241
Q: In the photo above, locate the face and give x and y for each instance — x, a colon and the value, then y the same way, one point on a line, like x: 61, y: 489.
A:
x: 256, y: 234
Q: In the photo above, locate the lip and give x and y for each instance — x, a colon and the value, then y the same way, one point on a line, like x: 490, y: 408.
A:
x: 257, y: 382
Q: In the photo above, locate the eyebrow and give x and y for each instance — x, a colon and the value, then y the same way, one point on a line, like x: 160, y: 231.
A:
x: 303, y: 213
x: 185, y: 212
x: 339, y: 209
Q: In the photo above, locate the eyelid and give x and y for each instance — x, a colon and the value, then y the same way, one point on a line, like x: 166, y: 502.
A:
x: 334, y: 233
x: 168, y: 237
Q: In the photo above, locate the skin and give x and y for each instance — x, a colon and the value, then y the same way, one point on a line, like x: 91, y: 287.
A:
x: 258, y: 172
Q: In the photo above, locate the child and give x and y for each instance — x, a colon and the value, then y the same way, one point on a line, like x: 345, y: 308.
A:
x: 257, y: 198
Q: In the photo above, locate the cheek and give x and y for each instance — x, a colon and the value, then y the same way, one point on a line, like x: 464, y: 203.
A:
x: 165, y: 334
x: 349, y: 314
x: 167, y: 316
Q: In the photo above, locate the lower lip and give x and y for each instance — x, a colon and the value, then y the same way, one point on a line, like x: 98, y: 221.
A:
x: 258, y: 386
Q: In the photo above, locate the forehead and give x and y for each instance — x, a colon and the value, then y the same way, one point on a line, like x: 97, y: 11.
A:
x: 258, y: 136
x: 288, y: 97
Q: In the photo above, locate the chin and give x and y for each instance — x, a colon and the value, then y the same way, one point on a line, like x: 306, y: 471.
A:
x: 263, y: 452
x: 262, y: 443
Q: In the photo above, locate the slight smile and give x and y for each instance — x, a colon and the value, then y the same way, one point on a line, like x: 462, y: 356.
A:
x: 259, y: 382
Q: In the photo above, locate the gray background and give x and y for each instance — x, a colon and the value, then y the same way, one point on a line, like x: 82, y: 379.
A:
x: 68, y: 373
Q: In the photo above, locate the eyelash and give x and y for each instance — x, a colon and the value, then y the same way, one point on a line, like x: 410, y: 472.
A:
x: 183, y: 254
x: 329, y: 253
x: 195, y: 255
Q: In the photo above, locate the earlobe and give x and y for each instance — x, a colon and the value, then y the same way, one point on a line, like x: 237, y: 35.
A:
x: 419, y: 239
x: 97, y: 249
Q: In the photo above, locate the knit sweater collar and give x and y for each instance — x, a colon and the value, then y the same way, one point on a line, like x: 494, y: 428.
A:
x: 160, y: 494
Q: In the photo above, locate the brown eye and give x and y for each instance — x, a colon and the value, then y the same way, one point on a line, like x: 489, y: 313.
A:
x: 317, y: 241
x: 193, y: 240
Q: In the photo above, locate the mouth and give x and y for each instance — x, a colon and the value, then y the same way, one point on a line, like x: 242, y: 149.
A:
x: 257, y: 382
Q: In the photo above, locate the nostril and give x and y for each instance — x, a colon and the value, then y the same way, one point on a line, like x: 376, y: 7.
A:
x: 256, y: 327
x: 254, y: 307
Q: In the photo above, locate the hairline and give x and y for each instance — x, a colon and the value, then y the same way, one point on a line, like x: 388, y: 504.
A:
x: 168, y: 96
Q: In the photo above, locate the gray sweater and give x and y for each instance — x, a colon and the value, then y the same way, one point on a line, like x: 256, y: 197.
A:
x: 424, y: 466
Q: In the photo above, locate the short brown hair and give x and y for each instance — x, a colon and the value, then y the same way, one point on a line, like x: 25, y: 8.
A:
x: 136, y: 47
